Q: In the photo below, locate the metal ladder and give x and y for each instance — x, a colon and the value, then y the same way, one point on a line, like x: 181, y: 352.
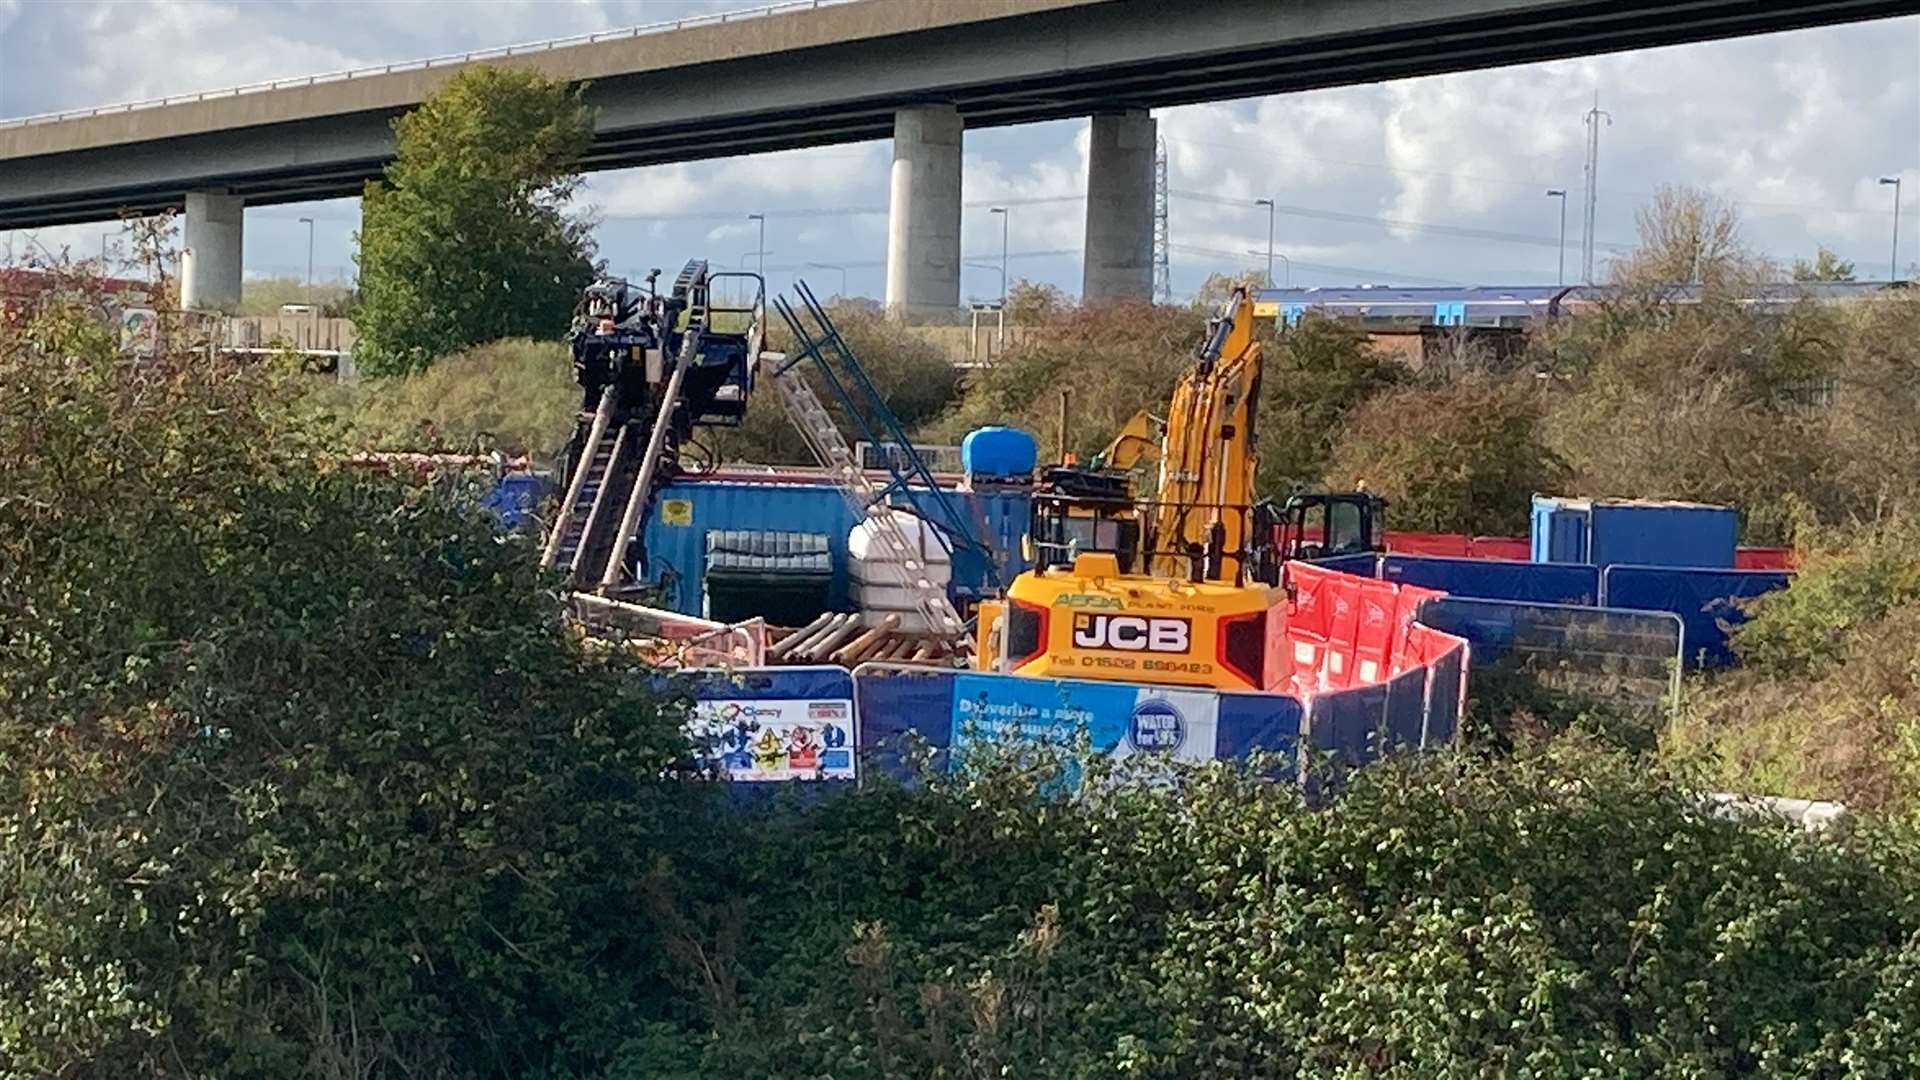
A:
x: 585, y: 489
x: 869, y: 502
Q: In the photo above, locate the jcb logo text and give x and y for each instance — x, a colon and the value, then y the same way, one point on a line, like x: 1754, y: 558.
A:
x: 1130, y: 633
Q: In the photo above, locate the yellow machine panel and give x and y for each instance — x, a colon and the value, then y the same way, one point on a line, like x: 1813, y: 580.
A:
x: 1092, y: 622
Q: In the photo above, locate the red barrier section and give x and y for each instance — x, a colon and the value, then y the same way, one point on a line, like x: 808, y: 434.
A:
x: 1406, y: 609
x: 1762, y: 558
x: 1340, y: 631
x: 1342, y: 591
x: 1500, y: 547
x: 1373, y: 640
x: 1519, y: 549
x: 1444, y: 545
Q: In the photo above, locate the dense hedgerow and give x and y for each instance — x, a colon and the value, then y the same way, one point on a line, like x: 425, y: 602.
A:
x: 1568, y: 912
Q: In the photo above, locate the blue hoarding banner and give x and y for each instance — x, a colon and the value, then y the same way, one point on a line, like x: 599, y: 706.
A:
x: 1704, y: 599
x: 1120, y: 718
x: 1496, y: 579
x: 773, y: 724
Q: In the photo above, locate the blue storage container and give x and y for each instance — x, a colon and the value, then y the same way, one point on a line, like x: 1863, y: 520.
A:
x: 998, y: 453
x: 685, y: 510
x: 1602, y: 532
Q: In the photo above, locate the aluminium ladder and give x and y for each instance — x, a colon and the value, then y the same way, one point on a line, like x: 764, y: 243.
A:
x: 868, y: 501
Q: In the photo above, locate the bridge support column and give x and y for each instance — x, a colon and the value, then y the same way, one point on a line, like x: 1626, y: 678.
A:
x: 923, y: 214
x: 1119, y: 252
x: 210, y: 266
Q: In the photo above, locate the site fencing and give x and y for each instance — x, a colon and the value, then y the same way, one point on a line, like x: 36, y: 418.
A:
x: 1608, y: 652
x: 1707, y: 602
x: 779, y: 724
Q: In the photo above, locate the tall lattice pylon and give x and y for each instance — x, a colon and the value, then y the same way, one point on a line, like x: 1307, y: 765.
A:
x: 1162, y: 273
x: 1594, y: 118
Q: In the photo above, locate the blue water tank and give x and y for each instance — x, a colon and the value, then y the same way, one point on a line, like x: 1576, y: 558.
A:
x: 1632, y: 532
x: 998, y: 453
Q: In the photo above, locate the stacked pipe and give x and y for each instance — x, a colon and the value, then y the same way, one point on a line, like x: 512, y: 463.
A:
x: 850, y: 638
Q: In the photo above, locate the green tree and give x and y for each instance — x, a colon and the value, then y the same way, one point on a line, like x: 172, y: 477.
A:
x: 1458, y: 457
x: 468, y: 239
x: 1826, y: 266
x: 1687, y: 236
x: 1317, y: 372
x: 1030, y: 302
x: 1217, y: 287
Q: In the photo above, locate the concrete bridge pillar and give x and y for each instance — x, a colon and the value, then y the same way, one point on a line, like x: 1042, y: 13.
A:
x: 1119, y: 251
x: 210, y: 266
x: 923, y: 215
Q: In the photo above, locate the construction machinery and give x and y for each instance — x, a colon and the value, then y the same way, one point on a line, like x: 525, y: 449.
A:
x: 651, y: 367
x: 655, y: 366
x: 1179, y: 589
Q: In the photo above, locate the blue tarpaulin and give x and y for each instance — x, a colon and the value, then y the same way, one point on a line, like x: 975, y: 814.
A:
x: 1365, y: 564
x: 1704, y: 600
x: 1496, y: 579
x: 1443, y: 696
x: 1406, y: 708
x: 1250, y: 722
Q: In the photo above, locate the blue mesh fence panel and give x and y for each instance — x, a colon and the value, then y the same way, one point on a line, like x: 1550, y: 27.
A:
x: 1496, y: 579
x: 1443, y: 697
x: 1703, y: 599
x: 1345, y: 722
x: 1250, y: 722
x: 1406, y: 708
x: 1606, y: 651
x: 894, y: 703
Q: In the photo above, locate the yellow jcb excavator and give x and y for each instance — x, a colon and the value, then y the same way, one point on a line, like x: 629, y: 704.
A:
x: 1177, y: 589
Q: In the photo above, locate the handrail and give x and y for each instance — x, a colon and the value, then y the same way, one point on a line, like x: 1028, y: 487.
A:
x: 499, y: 52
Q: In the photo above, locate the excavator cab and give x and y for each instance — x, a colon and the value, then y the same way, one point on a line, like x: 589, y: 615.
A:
x: 1078, y: 511
x: 1325, y: 524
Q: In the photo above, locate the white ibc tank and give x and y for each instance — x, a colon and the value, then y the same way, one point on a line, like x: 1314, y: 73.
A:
x: 876, y: 571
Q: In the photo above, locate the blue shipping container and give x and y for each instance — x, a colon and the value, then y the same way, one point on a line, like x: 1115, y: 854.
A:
x: 1631, y: 533
x: 686, y: 510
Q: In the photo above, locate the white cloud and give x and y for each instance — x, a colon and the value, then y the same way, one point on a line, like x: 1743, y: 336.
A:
x: 1795, y: 128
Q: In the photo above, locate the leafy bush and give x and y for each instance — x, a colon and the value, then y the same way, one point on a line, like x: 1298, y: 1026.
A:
x: 1453, y: 457
x: 1826, y: 703
x: 1570, y: 912
x: 300, y: 774
x: 912, y: 375
x: 518, y: 395
x: 1114, y: 360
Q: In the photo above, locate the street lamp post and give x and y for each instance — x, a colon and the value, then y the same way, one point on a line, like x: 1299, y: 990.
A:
x: 1004, y: 227
x: 1893, y: 260
x: 1560, y: 193
x: 1268, y: 203
x: 309, y: 224
x: 1284, y: 261
x: 833, y: 266
x: 1005, y: 219
x: 762, y: 248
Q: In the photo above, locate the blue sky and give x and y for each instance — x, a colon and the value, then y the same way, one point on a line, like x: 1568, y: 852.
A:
x: 1427, y: 180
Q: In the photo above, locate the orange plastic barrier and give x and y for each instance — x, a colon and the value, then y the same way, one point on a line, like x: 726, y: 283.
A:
x: 1340, y: 631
